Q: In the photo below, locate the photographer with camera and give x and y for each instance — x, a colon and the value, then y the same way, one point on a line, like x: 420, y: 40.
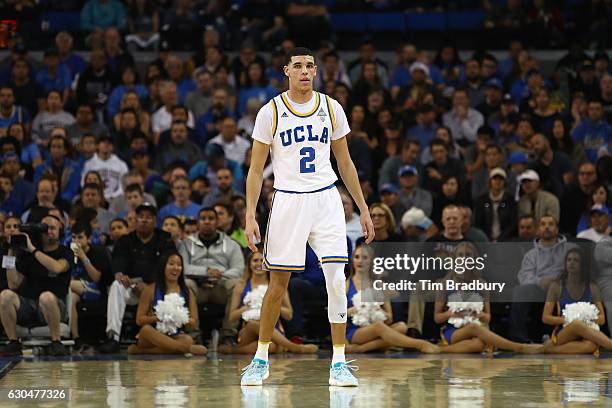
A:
x: 38, y: 274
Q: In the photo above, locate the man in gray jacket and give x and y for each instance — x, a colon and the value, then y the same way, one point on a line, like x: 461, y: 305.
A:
x: 602, y: 255
x: 213, y: 264
x: 541, y: 265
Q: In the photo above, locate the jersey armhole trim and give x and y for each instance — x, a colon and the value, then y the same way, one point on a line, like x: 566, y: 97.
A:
x: 331, y: 113
x: 275, y: 114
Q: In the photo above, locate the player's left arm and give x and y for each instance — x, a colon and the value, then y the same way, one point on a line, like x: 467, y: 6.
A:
x: 347, y: 170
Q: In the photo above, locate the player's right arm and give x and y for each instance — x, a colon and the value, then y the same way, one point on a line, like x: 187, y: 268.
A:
x: 262, y: 135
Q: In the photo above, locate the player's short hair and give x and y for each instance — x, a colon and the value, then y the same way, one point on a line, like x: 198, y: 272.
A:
x: 298, y: 51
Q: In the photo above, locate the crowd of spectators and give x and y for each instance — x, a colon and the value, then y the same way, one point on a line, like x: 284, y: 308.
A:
x: 129, y: 164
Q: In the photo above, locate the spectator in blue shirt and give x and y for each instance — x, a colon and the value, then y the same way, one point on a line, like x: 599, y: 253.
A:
x: 30, y: 154
x: 73, y: 61
x: 182, y: 207
x: 215, y: 160
x: 54, y: 75
x: 101, y: 14
x: 425, y: 129
x: 256, y: 86
x: 67, y: 171
x: 176, y: 72
x: 594, y: 131
x: 205, y: 124
x: 9, y: 112
x: 129, y: 82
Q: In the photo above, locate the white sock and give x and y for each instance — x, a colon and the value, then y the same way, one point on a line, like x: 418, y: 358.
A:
x: 262, y: 350
x: 338, y: 356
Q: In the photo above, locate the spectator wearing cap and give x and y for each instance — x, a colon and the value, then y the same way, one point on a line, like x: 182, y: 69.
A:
x: 495, y: 210
x: 492, y: 102
x: 534, y: 200
x: 594, y: 131
x: 410, y: 194
x: 234, y: 145
x: 223, y: 191
x: 85, y: 124
x: 134, y: 260
x: 199, y: 100
x: 9, y: 112
x: 416, y: 226
x: 442, y: 165
x: 605, y: 85
x: 206, y: 125
x: 96, y: 83
x: 73, y: 61
x: 390, y: 197
x: 45, y: 121
x: 600, y: 224
x: 214, y: 161
x: 577, y: 197
x: 182, y: 207
x: 473, y: 83
x: 180, y: 148
x: 586, y: 82
x: 110, y: 167
x: 67, y: 171
x: 408, y: 95
x: 425, y: 129
x: 556, y: 168
x: 54, y: 75
x: 507, y: 109
x: 28, y: 93
x: 101, y: 14
x: 461, y: 119
x: 22, y: 190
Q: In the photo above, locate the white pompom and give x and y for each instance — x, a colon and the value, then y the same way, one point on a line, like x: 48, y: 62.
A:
x: 171, y: 313
x: 582, y: 311
x: 471, y: 302
x: 367, y: 312
x: 254, y: 300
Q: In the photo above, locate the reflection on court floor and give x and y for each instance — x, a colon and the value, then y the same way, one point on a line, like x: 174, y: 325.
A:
x: 391, y: 380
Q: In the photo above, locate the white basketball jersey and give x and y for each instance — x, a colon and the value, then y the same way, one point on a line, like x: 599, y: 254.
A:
x: 300, y: 143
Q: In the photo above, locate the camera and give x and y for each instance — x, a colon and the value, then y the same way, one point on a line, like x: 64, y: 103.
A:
x: 34, y: 231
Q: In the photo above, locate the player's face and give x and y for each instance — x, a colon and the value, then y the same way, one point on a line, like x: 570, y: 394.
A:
x: 301, y: 72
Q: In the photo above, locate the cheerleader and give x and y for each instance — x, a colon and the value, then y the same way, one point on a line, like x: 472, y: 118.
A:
x: 255, y: 277
x: 574, y: 286
x: 170, y: 279
x: 382, y: 334
x: 475, y: 336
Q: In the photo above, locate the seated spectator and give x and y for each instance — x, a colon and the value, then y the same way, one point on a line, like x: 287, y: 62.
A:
x: 472, y: 234
x: 97, y: 15
x: 555, y: 168
x: 181, y: 207
x: 600, y: 224
x: 86, y: 148
x: 492, y: 104
x: 534, y: 200
x: 544, y: 113
x: 199, y: 100
x: 367, y: 52
x: 179, y: 148
x: 169, y: 278
x: 353, y: 224
x: 73, y: 61
x: 23, y: 190
x: 9, y: 203
x: 67, y: 171
x: 229, y: 223
x: 416, y: 227
x: 110, y: 167
x: 594, y: 131
x: 425, y: 129
x: 173, y: 226
x: 190, y: 228
x: 452, y: 193
x: 213, y: 265
x: 91, y: 197
x: 91, y: 271
x: 179, y: 114
x: 130, y: 102
x: 234, y: 145
x: 409, y: 156
x: 143, y: 24
x: 410, y: 194
x: 162, y: 118
x: 45, y: 121
x: 116, y: 58
x: 389, y: 195
x: 442, y: 165
x: 368, y: 80
x: 54, y: 76
x: 133, y: 196
x: 600, y: 195
x: 96, y: 83
x: 495, y: 211
x: 39, y: 283
x: 175, y: 68
x: 85, y: 124
x: 28, y: 93
x: 493, y: 158
x: 246, y: 124
x: 454, y: 150
x: 256, y: 86
x: 120, y: 204
x: 385, y: 227
x: 46, y: 197
x: 10, y: 228
x: 576, y: 199
x: 206, y: 125
x: 134, y: 260
x: 541, y: 266
x: 473, y: 83
x: 224, y: 189
x: 462, y: 120
x: 118, y: 228
x: 129, y: 83
x: 254, y: 277
x: 9, y: 112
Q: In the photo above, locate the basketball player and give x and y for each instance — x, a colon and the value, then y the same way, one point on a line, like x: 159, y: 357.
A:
x: 299, y: 128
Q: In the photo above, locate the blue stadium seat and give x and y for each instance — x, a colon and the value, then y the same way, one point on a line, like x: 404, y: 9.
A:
x: 434, y: 21
x: 386, y: 22
x: 349, y: 22
x: 465, y: 20
x: 62, y: 20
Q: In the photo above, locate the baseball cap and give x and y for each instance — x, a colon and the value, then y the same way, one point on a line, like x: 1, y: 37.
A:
x: 528, y: 175
x: 146, y: 206
x: 407, y: 171
x: 388, y: 188
x: 601, y: 209
x: 494, y: 83
x: 507, y: 98
x: 587, y: 64
x: 214, y: 150
x: 415, y: 217
x: 498, y: 171
x: 419, y: 65
x: 518, y: 157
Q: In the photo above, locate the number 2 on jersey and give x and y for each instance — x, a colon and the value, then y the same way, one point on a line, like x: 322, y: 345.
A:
x: 308, y: 156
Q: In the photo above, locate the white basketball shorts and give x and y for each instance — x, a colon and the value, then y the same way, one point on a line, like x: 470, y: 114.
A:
x: 298, y: 218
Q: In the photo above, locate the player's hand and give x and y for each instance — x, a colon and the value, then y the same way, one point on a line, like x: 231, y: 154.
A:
x: 252, y: 230
x: 367, y: 226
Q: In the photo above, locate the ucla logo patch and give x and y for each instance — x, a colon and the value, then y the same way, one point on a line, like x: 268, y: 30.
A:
x: 321, y: 114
